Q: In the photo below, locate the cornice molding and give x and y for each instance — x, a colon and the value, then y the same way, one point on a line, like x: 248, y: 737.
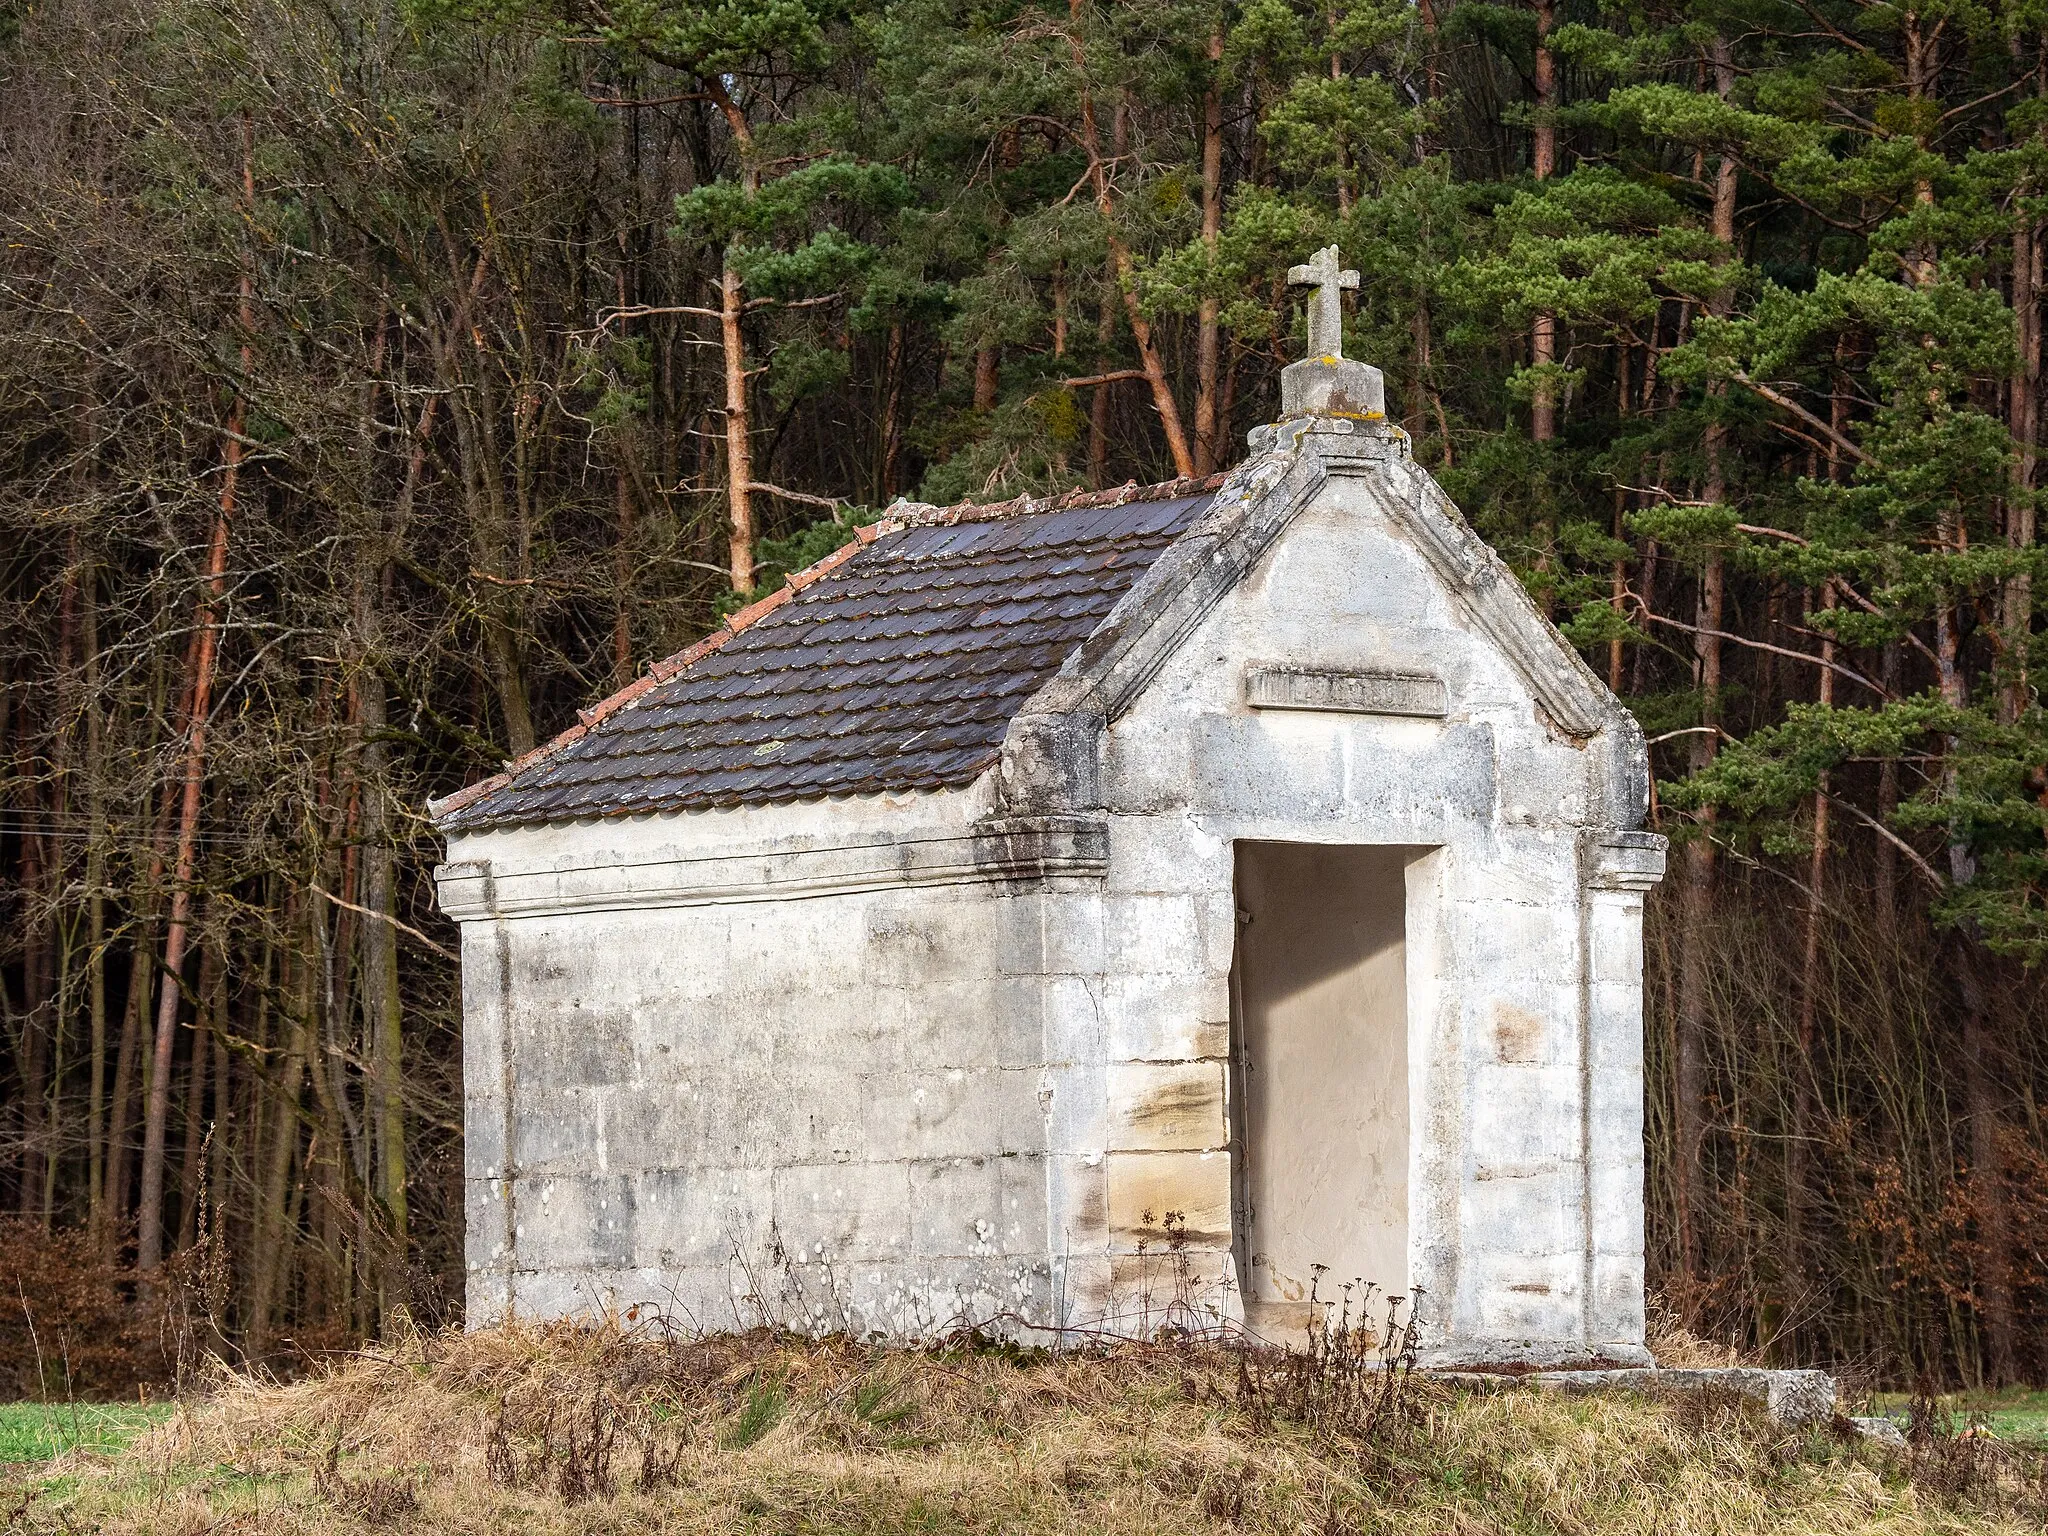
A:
x: 1015, y: 851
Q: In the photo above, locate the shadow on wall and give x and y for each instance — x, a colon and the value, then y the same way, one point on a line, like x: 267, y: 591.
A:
x: 1319, y: 1058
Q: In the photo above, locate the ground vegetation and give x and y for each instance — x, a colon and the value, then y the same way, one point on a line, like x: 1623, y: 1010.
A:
x: 621, y: 1429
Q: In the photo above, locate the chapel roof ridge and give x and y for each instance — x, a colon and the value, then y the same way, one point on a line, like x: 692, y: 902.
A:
x: 919, y: 514
x: 900, y: 515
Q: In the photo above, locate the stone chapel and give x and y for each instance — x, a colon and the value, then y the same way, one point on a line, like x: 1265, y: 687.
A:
x: 1239, y: 878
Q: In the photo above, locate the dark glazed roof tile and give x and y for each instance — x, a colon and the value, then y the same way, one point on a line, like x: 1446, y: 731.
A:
x: 895, y: 664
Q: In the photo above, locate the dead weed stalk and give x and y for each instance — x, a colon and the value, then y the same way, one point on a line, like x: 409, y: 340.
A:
x: 1352, y: 1384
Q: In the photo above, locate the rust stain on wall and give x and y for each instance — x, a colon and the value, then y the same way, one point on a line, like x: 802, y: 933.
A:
x: 1146, y: 1188
x: 1517, y: 1033
x: 1170, y: 1108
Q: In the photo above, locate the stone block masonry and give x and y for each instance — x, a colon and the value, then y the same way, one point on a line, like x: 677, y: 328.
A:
x: 974, y: 1051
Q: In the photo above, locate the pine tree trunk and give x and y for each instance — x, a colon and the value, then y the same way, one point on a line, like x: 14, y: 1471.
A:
x: 221, y: 1134
x: 503, y: 631
x: 739, y: 462
x: 1432, y: 51
x: 1697, y: 896
x: 622, y: 579
x: 382, y: 1000
x: 272, y: 1178
x: 1923, y: 60
x: 986, y: 377
x: 58, y: 942
x: 1890, y: 666
x: 95, y: 903
x: 1984, y: 1094
x: 1696, y: 906
x: 130, y: 1059
x: 1542, y: 166
x: 1617, y: 575
x: 1797, y: 1264
x: 198, y: 1058
x: 149, y: 1248
x: 2017, y: 598
x: 473, y: 408
x: 327, y: 1298
x: 739, y: 459
x: 33, y: 1059
x: 198, y: 688
x: 1646, y: 599
x: 892, y: 406
x: 1209, y: 432
x: 1126, y: 275
x: 1100, y: 398
x: 57, y: 951
x: 622, y: 478
x: 1980, y: 1050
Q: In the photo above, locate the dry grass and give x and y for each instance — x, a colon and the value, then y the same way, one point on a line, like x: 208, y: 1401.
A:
x: 1674, y: 1346
x: 616, y: 1430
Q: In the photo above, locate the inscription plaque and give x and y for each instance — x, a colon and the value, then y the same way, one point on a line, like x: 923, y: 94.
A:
x: 1346, y: 692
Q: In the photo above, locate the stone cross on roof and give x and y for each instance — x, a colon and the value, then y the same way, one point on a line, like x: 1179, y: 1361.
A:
x: 1325, y: 305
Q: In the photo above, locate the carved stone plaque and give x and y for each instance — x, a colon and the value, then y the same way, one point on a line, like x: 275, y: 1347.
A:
x: 1353, y: 693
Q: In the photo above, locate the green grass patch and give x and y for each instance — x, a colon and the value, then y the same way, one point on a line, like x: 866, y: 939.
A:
x: 2021, y: 1417
x: 2015, y: 1415
x: 766, y: 1403
x: 43, y: 1431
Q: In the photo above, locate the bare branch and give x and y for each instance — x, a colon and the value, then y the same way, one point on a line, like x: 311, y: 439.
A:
x: 823, y: 298
x: 1933, y: 875
x: 385, y: 917
x: 831, y: 503
x: 1112, y: 377
x: 605, y: 317
x: 1785, y: 402
x: 1759, y: 645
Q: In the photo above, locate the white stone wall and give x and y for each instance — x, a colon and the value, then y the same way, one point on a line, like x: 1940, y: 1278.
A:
x: 825, y: 1109
x: 811, y: 1064
x: 1499, y: 1012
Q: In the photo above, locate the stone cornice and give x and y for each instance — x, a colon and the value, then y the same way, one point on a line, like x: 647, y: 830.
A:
x: 1010, y: 851
x: 1622, y: 861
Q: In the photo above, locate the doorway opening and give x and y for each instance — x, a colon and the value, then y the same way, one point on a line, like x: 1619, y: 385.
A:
x: 1318, y: 1088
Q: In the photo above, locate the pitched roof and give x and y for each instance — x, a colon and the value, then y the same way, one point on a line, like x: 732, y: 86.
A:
x: 894, y: 664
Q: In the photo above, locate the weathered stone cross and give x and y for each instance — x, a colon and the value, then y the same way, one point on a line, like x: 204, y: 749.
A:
x: 1325, y: 305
